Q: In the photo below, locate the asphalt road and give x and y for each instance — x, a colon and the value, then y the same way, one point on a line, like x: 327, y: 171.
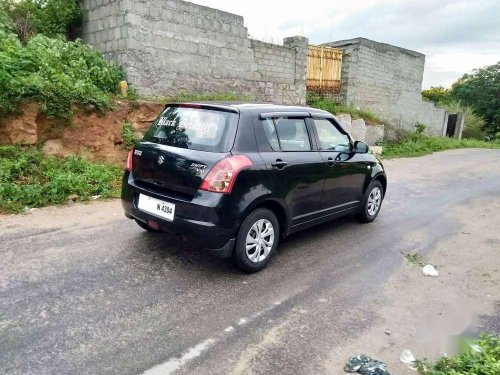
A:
x: 84, y: 290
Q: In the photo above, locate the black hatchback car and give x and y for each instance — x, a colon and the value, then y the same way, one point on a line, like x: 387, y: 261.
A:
x: 240, y: 177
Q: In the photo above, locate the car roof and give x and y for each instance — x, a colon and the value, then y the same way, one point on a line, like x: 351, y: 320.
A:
x: 264, y: 107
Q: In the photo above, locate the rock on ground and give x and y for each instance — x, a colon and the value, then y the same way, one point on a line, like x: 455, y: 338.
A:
x: 358, y: 129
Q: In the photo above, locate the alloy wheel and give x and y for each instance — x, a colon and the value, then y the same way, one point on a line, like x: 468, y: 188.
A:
x: 259, y: 240
x: 374, y: 201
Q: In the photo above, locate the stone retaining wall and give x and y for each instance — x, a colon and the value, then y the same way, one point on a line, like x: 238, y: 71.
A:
x: 360, y: 130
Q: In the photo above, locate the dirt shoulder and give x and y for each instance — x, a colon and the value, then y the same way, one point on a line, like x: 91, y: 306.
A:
x: 424, y: 313
x: 63, y: 216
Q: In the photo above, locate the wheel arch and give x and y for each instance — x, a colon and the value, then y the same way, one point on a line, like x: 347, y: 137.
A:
x: 276, y: 207
x: 382, y: 179
x: 377, y: 174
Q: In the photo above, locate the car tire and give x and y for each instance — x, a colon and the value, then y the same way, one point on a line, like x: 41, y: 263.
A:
x: 146, y: 227
x: 254, y: 249
x: 372, y: 202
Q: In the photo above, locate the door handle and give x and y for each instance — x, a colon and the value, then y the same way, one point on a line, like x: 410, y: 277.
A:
x: 280, y: 164
x: 330, y: 162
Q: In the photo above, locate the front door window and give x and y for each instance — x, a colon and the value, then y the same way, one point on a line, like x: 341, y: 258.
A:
x: 330, y: 138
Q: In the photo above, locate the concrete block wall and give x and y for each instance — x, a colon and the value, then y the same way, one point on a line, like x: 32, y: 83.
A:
x: 168, y: 47
x: 102, y: 29
x: 274, y: 63
x: 387, y: 80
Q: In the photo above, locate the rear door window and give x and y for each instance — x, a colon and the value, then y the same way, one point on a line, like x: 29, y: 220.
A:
x: 194, y: 128
x: 287, y: 134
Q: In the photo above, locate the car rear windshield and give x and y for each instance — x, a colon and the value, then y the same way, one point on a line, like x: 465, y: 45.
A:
x: 194, y: 128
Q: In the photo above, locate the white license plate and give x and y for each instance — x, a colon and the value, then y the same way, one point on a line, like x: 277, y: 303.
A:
x: 156, y: 207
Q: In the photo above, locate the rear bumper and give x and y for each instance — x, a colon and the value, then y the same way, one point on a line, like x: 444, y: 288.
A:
x: 206, y: 218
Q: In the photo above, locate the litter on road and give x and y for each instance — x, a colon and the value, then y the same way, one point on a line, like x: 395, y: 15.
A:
x: 430, y: 270
x: 364, y: 365
x: 407, y: 357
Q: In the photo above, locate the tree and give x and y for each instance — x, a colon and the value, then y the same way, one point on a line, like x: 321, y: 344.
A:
x: 51, y: 18
x: 57, y: 17
x: 481, y: 92
x: 438, y: 95
x: 18, y: 17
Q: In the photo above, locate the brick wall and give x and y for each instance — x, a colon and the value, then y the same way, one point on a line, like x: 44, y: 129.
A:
x: 387, y: 80
x: 169, y: 47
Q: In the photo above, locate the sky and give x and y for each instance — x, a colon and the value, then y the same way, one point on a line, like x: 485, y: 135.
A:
x: 456, y: 36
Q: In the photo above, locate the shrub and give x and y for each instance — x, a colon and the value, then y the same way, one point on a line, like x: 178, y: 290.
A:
x: 28, y: 178
x: 56, y: 73
x: 438, y: 95
x: 485, y: 361
x: 419, y: 128
x: 128, y: 135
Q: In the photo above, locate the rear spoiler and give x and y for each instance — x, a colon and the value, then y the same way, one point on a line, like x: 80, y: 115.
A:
x: 215, y: 106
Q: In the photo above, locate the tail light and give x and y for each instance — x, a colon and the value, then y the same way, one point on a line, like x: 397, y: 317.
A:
x: 129, y: 159
x: 222, y: 176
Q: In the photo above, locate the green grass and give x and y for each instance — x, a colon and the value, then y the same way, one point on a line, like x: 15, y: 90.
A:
x: 486, y: 361
x: 415, y: 258
x: 418, y: 145
x: 28, y: 178
x: 200, y: 97
x: 316, y: 101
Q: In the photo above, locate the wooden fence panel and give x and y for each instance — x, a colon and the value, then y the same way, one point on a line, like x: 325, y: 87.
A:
x: 324, y: 65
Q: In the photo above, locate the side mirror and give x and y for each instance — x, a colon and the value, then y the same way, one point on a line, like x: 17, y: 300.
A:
x: 360, y: 147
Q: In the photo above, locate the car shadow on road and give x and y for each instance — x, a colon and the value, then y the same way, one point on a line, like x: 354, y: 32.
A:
x: 346, y: 226
x: 174, y: 253
x: 170, y: 251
